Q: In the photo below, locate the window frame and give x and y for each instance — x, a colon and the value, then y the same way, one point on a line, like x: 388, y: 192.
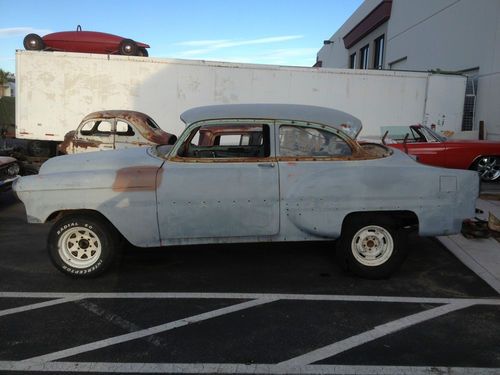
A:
x: 352, y: 60
x: 364, y: 61
x: 193, y: 129
x: 378, y: 59
x: 93, y: 132
x: 349, y: 142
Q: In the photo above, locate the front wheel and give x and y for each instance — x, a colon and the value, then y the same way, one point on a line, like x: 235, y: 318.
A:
x: 488, y: 168
x: 82, y: 245
x: 128, y: 47
x: 371, y: 247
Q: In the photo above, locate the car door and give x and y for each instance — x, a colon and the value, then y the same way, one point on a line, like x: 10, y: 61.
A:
x: 426, y: 149
x: 94, y: 135
x: 432, y: 153
x: 318, y: 179
x: 213, y: 191
x: 127, y: 136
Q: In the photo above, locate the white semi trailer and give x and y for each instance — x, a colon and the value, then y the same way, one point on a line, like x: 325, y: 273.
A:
x: 55, y: 90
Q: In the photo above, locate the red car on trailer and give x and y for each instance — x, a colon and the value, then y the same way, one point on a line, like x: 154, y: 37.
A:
x: 85, y: 41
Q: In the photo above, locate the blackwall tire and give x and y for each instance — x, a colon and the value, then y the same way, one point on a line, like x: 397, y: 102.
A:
x: 82, y: 245
x: 128, y: 48
x: 33, y: 42
x: 143, y: 52
x: 371, y: 247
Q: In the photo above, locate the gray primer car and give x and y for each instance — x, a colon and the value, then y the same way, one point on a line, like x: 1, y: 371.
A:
x: 299, y: 177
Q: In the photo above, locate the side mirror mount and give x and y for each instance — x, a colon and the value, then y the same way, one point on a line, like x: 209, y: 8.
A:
x: 385, y: 136
x: 405, y: 142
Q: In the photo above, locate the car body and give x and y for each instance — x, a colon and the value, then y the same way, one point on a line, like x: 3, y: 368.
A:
x: 112, y: 130
x: 85, y: 41
x: 433, y: 149
x: 9, y: 172
x: 305, y: 180
x: 10, y: 169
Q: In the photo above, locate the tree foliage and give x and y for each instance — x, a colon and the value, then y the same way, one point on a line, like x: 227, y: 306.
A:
x: 6, y: 77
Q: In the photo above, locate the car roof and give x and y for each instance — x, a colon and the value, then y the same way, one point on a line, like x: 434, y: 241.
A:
x: 120, y: 113
x: 295, y: 112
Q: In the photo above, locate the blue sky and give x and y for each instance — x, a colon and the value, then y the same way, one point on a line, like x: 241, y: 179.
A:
x: 254, y: 31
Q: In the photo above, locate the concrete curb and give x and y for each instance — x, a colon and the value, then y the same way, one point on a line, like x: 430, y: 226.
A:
x: 475, y: 256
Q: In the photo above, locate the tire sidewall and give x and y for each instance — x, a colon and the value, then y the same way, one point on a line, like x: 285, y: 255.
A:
x: 35, y: 37
x: 99, y: 227
x: 349, y: 262
x: 134, y: 49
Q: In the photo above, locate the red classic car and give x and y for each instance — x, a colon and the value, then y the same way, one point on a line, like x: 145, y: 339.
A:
x: 434, y: 149
x: 85, y: 41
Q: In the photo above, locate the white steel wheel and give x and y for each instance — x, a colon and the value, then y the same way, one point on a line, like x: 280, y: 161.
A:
x: 372, y: 246
x: 82, y: 245
x: 79, y: 247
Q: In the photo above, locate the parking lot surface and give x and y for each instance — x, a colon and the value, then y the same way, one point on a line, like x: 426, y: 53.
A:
x: 266, y: 308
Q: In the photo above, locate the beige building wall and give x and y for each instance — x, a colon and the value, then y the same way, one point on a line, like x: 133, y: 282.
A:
x: 450, y: 35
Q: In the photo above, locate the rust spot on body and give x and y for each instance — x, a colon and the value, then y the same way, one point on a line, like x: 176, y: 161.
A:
x: 140, y: 178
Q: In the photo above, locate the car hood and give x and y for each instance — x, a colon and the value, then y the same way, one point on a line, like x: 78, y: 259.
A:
x: 101, y: 160
x: 6, y: 160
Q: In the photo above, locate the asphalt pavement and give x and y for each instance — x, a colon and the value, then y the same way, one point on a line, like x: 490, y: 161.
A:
x: 253, y: 308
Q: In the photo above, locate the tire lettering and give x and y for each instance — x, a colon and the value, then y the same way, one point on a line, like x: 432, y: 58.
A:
x: 66, y: 226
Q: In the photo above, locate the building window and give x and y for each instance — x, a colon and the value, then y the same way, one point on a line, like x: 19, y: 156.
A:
x: 378, y: 61
x: 352, y: 61
x: 363, y: 61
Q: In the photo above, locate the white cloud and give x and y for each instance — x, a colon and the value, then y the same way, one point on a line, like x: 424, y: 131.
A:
x: 201, y: 43
x: 282, y: 56
x: 10, y: 32
x: 208, y: 46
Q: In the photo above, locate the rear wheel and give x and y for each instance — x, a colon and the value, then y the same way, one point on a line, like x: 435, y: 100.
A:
x: 33, y: 42
x: 82, y: 245
x: 488, y: 168
x: 128, y: 47
x: 372, y: 247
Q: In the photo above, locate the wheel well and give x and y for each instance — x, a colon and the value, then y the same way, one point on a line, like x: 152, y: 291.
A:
x: 54, y: 216
x: 403, y: 219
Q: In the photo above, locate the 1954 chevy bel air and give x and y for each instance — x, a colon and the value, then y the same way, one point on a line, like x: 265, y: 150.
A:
x: 248, y: 173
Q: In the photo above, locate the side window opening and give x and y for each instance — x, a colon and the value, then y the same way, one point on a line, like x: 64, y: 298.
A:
x: 123, y: 128
x: 228, y: 141
x: 104, y: 127
x: 87, y: 128
x: 97, y: 128
x: 300, y: 141
x: 152, y: 123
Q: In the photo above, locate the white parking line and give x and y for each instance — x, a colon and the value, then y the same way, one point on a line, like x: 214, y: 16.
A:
x: 40, y: 305
x: 148, y: 331
x: 235, y: 368
x: 119, y: 321
x: 373, y: 334
x: 300, y: 364
x: 252, y: 296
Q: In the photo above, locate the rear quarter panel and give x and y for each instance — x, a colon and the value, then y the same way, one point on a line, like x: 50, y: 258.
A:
x: 317, y: 195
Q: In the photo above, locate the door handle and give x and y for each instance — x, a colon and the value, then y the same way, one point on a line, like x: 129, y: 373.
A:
x: 266, y: 165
